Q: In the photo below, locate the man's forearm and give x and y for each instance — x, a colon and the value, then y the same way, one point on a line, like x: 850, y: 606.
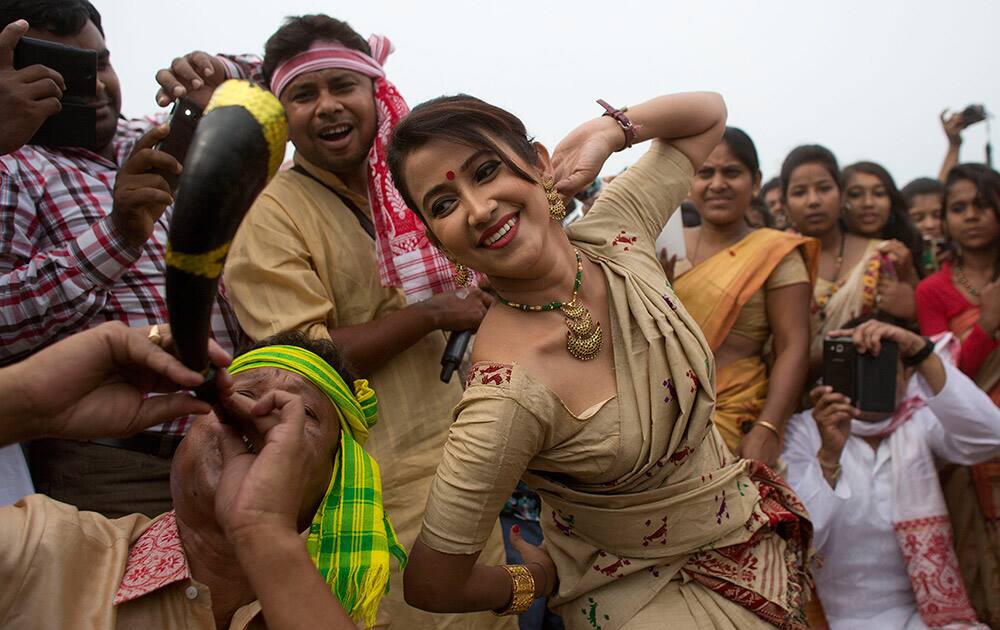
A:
x: 368, y: 346
x: 950, y: 160
x: 14, y: 423
x: 291, y: 591
x: 932, y: 369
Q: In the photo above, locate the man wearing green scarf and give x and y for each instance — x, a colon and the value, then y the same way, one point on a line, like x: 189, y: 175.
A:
x: 287, y: 460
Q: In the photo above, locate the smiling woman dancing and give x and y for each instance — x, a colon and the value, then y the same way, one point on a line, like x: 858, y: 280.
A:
x: 591, y: 382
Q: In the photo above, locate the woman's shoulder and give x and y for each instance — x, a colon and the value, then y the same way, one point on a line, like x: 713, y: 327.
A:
x: 937, y: 282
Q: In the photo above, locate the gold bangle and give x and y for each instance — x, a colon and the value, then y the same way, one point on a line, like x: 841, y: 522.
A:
x: 770, y: 427
x: 835, y: 469
x: 522, y: 590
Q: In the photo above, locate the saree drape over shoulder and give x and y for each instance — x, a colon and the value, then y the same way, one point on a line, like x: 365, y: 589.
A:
x: 726, y: 293
x: 646, y: 514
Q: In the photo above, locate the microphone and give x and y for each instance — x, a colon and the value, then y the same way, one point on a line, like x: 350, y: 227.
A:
x: 237, y: 148
x: 458, y: 342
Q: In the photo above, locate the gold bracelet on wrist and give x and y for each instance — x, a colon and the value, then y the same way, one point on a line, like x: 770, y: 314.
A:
x: 522, y: 590
x: 834, y: 469
x: 770, y: 427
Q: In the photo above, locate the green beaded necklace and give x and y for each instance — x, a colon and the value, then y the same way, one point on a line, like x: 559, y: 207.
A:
x: 584, y: 337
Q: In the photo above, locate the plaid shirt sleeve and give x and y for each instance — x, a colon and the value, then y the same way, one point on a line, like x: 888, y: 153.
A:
x: 243, y: 67
x: 46, y: 292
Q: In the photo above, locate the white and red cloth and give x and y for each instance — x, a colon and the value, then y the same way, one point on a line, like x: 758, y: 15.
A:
x: 883, y: 533
x: 920, y: 516
x: 406, y: 257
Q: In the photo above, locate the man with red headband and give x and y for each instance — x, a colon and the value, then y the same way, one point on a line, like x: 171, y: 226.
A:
x: 330, y: 249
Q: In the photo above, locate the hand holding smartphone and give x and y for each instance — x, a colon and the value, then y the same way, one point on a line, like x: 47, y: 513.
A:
x: 183, y: 124
x: 75, y: 125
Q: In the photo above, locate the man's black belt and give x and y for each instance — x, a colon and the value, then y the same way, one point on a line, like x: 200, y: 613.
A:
x: 158, y: 444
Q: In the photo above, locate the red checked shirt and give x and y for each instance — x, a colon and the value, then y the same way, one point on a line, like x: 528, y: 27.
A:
x: 64, y: 267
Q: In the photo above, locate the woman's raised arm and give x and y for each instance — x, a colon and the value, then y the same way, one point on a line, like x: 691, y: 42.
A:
x: 693, y: 122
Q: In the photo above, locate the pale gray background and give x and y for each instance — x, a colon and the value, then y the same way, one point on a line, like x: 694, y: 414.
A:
x: 867, y: 79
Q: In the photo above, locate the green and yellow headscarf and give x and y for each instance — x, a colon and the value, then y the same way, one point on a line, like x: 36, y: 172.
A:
x: 350, y: 538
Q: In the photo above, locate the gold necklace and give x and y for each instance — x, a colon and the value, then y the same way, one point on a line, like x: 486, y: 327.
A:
x: 584, y: 336
x: 962, y: 280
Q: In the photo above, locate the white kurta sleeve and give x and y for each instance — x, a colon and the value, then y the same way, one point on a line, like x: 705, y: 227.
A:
x: 801, y: 442
x: 967, y: 426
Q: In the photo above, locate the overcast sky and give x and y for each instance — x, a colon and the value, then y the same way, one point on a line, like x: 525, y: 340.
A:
x: 867, y: 79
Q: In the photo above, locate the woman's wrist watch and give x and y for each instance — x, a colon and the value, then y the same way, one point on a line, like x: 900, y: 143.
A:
x: 920, y: 356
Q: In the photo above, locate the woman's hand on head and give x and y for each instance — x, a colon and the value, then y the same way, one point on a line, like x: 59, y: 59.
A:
x: 581, y: 155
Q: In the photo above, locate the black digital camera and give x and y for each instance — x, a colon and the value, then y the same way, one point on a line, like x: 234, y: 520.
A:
x: 75, y: 125
x: 869, y: 381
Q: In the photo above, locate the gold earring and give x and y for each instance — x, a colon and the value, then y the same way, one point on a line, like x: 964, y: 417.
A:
x: 557, y: 209
x: 462, y: 274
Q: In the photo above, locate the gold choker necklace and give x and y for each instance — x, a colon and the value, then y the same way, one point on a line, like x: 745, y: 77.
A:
x: 584, y: 337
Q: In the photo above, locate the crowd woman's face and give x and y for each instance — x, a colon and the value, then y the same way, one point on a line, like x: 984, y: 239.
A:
x: 866, y: 204
x: 482, y: 213
x: 813, y: 199
x: 723, y: 187
x: 971, y: 224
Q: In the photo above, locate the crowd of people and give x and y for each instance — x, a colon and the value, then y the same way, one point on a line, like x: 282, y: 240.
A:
x: 793, y: 421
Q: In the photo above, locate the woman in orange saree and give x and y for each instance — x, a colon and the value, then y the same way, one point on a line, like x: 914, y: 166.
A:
x: 744, y: 288
x: 963, y: 298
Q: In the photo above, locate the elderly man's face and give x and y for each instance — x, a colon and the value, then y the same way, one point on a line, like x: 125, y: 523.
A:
x: 198, y: 462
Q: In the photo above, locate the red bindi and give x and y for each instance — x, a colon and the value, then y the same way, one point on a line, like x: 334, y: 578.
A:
x: 450, y: 175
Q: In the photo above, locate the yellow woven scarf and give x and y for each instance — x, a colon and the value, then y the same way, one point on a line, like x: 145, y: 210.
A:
x: 350, y: 538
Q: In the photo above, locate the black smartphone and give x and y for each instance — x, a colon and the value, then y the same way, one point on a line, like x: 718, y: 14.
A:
x: 183, y: 123
x: 869, y: 381
x: 75, y: 125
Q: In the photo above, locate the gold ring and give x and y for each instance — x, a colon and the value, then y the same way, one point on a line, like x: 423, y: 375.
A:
x: 154, y: 334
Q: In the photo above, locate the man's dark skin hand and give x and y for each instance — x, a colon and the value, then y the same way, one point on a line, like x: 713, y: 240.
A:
x: 141, y: 192
x: 27, y: 96
x: 195, y: 75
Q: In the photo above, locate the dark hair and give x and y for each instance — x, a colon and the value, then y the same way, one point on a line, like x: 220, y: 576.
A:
x: 987, y: 183
x: 324, y: 348
x: 986, y: 180
x: 298, y: 33
x: 464, y: 120
x: 899, y: 226
x: 59, y: 17
x: 757, y: 205
x: 743, y: 148
x: 921, y: 186
x: 808, y: 154
x: 769, y: 185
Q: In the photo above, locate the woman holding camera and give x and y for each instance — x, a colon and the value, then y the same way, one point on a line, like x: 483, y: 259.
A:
x: 854, y: 271
x: 591, y: 382
x: 746, y: 287
x: 964, y: 298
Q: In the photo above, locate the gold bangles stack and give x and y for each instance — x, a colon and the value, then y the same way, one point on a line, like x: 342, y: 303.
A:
x: 522, y: 589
